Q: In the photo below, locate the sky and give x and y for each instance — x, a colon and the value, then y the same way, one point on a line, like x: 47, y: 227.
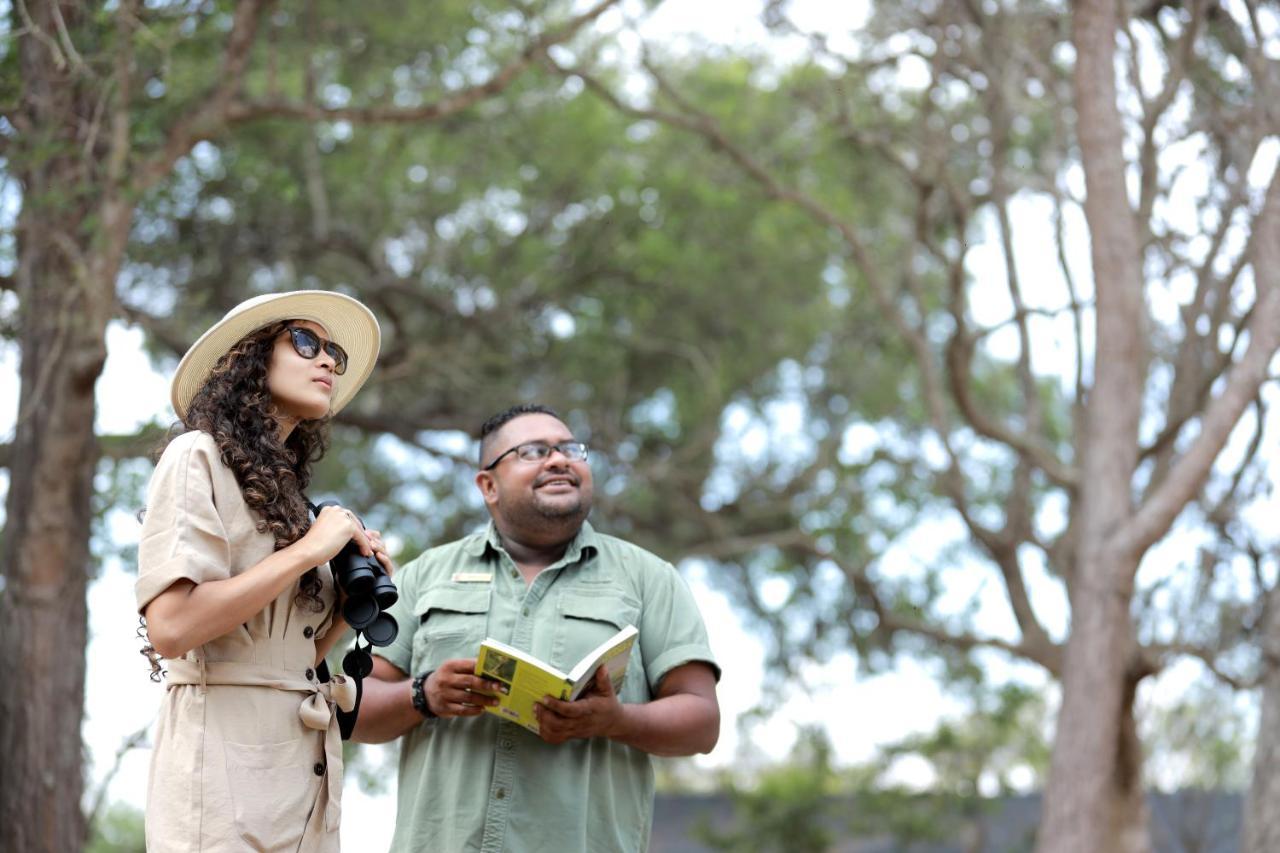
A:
x: 121, y: 700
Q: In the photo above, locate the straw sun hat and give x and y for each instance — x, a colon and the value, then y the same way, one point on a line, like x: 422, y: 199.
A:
x: 348, y: 323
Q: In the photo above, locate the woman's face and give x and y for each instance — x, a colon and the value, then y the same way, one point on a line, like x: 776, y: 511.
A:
x: 300, y: 387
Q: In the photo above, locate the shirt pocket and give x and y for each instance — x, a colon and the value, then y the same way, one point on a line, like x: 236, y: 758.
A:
x: 451, y: 624
x: 273, y: 788
x: 587, y: 618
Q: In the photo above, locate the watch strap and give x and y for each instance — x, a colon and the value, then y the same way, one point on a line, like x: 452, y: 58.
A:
x: 419, y: 694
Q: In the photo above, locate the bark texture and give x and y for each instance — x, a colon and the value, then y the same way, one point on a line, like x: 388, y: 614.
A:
x: 69, y: 244
x: 1261, y: 817
x: 1095, y: 770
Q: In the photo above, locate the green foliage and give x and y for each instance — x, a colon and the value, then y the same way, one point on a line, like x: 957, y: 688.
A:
x: 959, y: 771
x: 789, y: 807
x: 1004, y: 733
x: 970, y: 762
x: 1203, y: 740
x: 372, y: 768
x: 119, y: 499
x: 730, y: 357
x: 118, y: 829
x: 554, y: 250
x: 545, y: 246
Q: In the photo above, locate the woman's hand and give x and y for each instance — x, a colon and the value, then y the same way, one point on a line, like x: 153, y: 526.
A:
x: 333, y: 528
x: 380, y: 551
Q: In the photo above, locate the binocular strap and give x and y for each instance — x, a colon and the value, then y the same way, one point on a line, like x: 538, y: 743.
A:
x: 356, y: 664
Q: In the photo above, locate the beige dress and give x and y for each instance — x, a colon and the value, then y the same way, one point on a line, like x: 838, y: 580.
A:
x: 247, y: 750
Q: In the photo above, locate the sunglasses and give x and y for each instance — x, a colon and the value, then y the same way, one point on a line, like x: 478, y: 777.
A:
x: 308, y: 344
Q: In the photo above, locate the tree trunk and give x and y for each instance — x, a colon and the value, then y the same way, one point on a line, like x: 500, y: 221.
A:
x: 46, y: 555
x: 1130, y: 816
x: 65, y: 284
x: 1261, y: 818
x: 1093, y: 800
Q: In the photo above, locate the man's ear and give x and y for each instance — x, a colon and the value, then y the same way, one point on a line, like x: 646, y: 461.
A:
x: 487, y: 485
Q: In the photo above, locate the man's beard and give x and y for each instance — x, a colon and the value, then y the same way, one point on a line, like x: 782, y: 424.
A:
x: 561, y: 513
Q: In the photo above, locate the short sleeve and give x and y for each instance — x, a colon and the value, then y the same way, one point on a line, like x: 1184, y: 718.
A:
x: 408, y: 580
x: 183, y: 536
x: 671, y: 628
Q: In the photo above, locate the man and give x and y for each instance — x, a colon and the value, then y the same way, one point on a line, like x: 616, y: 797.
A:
x: 540, y: 579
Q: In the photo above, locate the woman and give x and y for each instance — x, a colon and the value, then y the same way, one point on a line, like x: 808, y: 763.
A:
x: 233, y: 581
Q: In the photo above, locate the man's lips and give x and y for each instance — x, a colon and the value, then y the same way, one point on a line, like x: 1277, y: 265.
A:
x: 556, y: 481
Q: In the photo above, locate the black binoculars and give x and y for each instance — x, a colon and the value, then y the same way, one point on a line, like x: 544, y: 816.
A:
x: 369, y: 591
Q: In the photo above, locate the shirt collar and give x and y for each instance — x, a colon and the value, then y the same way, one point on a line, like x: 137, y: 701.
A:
x: 584, y: 543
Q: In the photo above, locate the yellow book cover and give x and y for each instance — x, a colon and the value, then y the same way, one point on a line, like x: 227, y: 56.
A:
x: 524, y: 679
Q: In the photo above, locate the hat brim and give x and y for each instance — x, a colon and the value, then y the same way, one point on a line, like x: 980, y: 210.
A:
x: 348, y: 323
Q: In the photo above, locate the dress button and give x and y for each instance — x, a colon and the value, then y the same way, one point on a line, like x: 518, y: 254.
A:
x: 310, y: 674
x: 502, y: 793
x: 308, y: 632
x: 319, y: 768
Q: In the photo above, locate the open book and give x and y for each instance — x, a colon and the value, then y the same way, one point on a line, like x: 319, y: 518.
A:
x: 524, y: 679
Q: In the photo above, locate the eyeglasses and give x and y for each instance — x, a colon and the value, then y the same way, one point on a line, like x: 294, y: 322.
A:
x: 536, y: 451
x: 308, y: 344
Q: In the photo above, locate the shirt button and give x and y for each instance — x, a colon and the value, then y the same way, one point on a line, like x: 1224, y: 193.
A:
x: 310, y: 674
x: 308, y: 632
x: 525, y: 611
x: 319, y: 768
x: 515, y: 575
x: 502, y: 793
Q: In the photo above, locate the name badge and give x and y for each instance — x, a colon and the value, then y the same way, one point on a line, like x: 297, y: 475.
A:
x: 472, y: 577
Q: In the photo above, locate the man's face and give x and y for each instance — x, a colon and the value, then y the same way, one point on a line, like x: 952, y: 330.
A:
x: 549, y: 496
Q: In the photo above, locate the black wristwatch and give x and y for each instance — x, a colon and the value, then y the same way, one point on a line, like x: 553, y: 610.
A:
x: 420, y: 695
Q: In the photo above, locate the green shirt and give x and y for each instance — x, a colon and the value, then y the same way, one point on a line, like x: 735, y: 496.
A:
x: 484, y: 784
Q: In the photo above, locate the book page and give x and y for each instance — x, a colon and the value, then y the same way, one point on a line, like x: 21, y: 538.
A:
x: 613, y: 653
x: 523, y: 681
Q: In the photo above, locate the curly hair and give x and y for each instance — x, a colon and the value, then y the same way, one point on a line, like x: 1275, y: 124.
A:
x: 235, y: 407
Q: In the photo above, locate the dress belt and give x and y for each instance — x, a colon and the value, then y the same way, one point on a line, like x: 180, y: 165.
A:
x: 316, y: 710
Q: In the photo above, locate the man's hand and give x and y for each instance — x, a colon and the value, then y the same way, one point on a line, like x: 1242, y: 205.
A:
x: 454, y: 690
x: 597, y: 713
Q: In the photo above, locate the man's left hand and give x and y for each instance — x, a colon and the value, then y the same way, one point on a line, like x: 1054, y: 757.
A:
x: 597, y: 713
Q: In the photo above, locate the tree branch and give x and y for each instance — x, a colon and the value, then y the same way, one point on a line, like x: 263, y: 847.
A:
x: 1047, y: 654
x: 130, y: 743
x: 250, y: 110
x: 210, y: 115
x: 702, y: 125
x: 31, y: 28
x: 1155, y: 108
x: 1199, y: 361
x: 1187, y: 476
x: 959, y: 357
x: 138, y: 445
x: 1157, y: 657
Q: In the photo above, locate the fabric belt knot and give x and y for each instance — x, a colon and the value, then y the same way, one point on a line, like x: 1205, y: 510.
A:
x: 343, y: 690
x: 315, y: 711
